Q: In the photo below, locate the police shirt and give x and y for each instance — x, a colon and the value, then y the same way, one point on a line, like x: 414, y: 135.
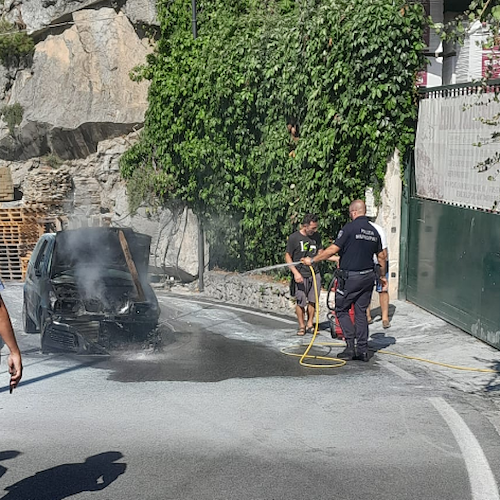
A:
x: 358, y: 241
x: 300, y: 246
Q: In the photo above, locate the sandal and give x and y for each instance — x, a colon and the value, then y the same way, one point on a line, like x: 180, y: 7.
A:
x: 301, y: 331
x: 310, y: 330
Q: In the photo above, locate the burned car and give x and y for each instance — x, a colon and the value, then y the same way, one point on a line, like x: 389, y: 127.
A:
x: 86, y: 290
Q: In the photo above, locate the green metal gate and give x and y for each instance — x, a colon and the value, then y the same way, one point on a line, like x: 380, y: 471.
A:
x: 450, y: 262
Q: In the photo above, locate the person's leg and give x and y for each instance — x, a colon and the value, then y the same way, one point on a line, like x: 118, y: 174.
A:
x: 299, y: 311
x: 343, y: 302
x: 378, y: 286
x: 300, y: 307
x: 364, y: 283
x: 369, y: 316
x: 311, y: 308
x: 312, y: 296
x: 384, y: 307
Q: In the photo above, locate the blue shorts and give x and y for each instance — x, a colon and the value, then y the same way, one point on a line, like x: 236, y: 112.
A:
x: 378, y: 285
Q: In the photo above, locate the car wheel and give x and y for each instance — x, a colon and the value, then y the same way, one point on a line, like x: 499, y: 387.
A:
x: 28, y: 324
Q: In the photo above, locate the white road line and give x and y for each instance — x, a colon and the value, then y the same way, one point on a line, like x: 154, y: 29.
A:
x: 398, y: 371
x: 482, y: 481
x: 239, y: 309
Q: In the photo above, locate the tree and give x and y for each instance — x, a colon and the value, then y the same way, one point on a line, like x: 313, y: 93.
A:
x: 277, y: 109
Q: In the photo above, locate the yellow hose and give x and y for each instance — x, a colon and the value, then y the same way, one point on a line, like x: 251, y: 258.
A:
x: 337, y: 363
x: 333, y: 362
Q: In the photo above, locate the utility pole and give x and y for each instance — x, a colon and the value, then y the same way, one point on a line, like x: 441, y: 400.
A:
x: 195, y: 30
x: 201, y: 233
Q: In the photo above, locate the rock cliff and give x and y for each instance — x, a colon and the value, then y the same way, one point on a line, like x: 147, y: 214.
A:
x: 79, y: 112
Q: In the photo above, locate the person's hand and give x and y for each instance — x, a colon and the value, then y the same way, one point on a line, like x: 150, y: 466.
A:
x: 306, y: 261
x: 15, y: 369
x: 383, y: 282
x: 334, y: 258
x: 299, y: 278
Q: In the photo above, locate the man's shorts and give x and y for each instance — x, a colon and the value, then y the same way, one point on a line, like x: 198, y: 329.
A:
x: 304, y: 292
x: 379, y: 286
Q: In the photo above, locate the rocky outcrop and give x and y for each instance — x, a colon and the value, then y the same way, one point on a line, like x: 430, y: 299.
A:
x: 78, y: 91
x: 91, y: 192
x: 36, y: 15
x: 141, y: 11
x: 80, y: 111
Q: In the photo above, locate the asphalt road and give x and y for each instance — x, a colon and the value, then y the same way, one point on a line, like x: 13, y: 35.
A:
x: 221, y: 413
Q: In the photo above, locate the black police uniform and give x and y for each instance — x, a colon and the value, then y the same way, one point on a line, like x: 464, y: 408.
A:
x: 358, y: 241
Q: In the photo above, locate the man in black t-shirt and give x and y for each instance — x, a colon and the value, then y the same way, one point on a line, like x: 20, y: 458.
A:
x: 305, y: 243
x: 356, y: 244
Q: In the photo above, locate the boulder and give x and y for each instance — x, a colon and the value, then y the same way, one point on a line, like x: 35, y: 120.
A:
x: 174, y: 244
x: 37, y: 15
x: 78, y: 91
x: 141, y: 11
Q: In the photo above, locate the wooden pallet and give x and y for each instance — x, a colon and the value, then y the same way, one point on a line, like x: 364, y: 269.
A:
x: 20, y: 229
x: 10, y: 263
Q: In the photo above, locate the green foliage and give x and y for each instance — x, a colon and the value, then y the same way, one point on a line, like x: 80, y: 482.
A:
x: 52, y: 160
x: 12, y: 116
x: 486, y: 12
x: 277, y: 109
x: 14, y: 44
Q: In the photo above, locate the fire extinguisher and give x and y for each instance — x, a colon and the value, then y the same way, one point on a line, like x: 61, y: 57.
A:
x: 335, y: 329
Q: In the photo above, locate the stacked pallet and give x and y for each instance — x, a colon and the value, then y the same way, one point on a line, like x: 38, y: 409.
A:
x: 6, y: 185
x: 51, y: 188
x: 20, y: 229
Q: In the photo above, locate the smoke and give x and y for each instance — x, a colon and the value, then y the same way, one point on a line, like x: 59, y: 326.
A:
x: 89, y: 254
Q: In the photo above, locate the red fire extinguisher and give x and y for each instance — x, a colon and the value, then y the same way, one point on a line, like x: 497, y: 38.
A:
x: 336, y: 330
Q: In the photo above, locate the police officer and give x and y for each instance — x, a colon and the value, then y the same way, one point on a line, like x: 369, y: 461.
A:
x: 356, y: 244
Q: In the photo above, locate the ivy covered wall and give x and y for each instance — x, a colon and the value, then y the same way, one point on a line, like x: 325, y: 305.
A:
x: 277, y: 109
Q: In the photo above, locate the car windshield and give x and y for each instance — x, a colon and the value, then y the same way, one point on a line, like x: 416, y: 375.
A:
x: 99, y: 252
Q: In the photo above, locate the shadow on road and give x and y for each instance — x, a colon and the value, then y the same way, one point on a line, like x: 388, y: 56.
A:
x: 63, y: 481
x: 53, y: 374
x: 7, y: 455
x: 493, y: 384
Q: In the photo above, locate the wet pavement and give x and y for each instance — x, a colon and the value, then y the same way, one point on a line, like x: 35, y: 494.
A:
x: 220, y: 413
x: 200, y: 357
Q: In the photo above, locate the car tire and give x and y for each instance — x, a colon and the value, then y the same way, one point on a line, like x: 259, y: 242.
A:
x: 28, y: 324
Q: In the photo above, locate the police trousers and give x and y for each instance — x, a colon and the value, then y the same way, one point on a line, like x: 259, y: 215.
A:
x: 355, y: 289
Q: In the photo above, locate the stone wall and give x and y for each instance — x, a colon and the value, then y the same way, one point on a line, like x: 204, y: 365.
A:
x: 255, y: 291
x: 388, y: 216
x: 248, y: 290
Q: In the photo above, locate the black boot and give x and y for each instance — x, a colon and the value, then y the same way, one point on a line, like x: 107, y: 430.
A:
x: 362, y: 356
x: 348, y: 352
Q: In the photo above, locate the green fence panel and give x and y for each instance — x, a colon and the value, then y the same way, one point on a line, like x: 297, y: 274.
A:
x: 454, y: 266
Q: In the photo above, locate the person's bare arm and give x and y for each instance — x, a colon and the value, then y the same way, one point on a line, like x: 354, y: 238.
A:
x: 296, y: 275
x: 382, y: 261
x: 7, y: 334
x: 324, y: 255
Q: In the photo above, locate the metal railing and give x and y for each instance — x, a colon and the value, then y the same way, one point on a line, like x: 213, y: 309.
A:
x: 460, y: 89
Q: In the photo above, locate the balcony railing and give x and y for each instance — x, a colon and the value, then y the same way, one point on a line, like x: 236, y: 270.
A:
x: 460, y: 89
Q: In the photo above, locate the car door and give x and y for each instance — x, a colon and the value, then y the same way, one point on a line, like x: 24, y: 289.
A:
x: 36, y: 279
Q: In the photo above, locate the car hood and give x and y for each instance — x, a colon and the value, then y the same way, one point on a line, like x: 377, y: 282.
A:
x: 98, y: 250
